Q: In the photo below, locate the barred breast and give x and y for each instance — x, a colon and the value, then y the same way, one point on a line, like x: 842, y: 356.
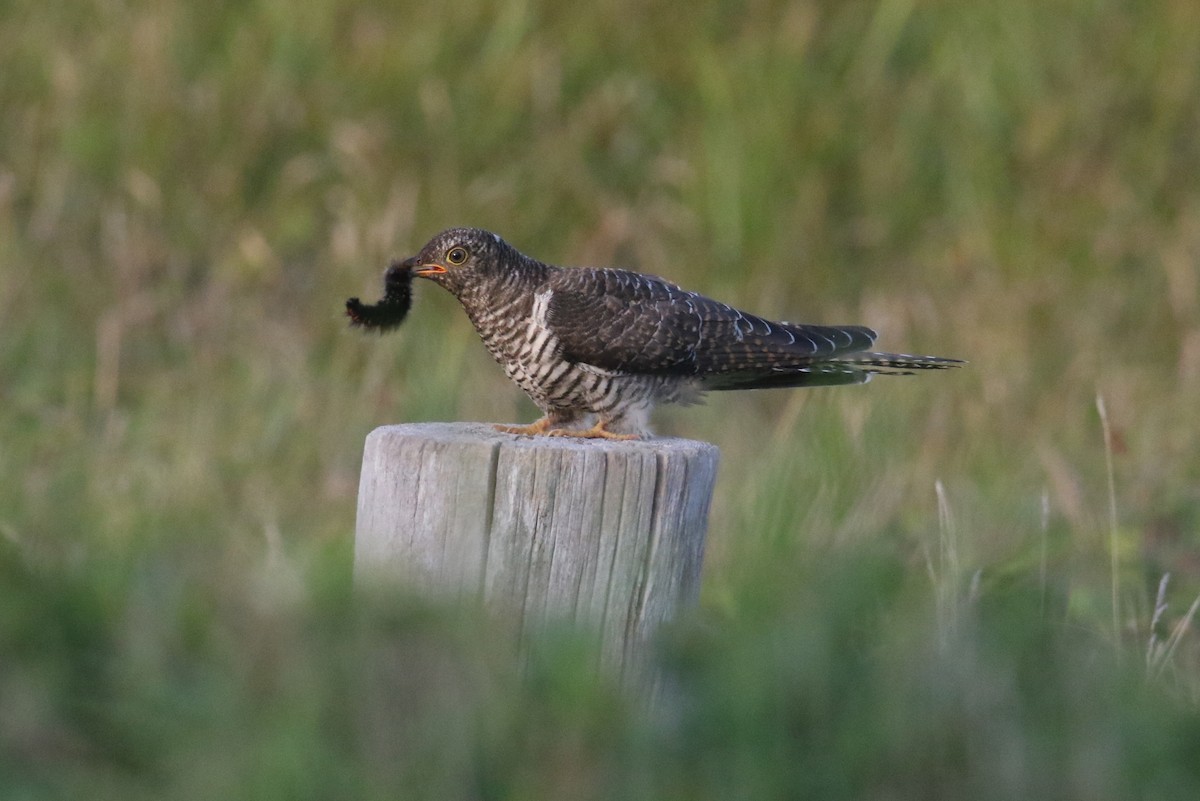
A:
x: 516, y: 333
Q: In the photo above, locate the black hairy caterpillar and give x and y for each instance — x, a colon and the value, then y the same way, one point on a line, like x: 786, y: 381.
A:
x: 391, y: 310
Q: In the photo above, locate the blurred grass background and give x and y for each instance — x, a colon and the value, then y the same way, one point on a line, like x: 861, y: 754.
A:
x: 188, y: 192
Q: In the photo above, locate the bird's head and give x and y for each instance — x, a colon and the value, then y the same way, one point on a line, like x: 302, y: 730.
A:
x: 461, y: 257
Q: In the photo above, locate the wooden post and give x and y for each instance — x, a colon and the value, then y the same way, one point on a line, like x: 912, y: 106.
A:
x: 607, y: 534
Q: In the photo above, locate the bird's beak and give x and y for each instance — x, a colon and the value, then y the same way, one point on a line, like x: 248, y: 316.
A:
x: 426, y: 270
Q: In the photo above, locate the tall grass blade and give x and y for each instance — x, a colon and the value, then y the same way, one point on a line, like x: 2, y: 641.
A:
x: 1113, y: 537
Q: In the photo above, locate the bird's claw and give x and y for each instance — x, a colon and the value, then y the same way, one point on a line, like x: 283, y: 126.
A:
x: 595, y: 432
x: 531, y: 430
x: 543, y: 428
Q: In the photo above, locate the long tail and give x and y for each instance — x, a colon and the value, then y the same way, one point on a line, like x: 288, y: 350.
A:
x: 850, y: 368
x: 897, y: 363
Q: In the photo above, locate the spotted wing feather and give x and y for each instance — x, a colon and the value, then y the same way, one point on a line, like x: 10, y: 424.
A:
x: 631, y: 323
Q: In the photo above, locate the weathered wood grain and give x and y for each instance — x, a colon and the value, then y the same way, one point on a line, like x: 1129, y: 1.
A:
x: 607, y: 534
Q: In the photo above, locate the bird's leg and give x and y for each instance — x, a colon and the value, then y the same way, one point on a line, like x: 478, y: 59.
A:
x: 598, y: 431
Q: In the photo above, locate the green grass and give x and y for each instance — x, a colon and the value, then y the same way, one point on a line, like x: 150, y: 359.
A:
x: 189, y: 191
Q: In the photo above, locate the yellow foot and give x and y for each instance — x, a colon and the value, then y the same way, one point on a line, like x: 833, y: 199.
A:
x: 597, y: 431
x: 540, y: 427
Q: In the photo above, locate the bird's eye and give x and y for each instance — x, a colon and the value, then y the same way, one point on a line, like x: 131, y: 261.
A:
x: 456, y: 255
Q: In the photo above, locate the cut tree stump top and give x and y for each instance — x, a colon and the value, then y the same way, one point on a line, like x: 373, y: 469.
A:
x: 608, y: 533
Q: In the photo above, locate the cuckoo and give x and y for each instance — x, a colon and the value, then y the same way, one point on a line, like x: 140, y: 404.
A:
x: 596, y: 349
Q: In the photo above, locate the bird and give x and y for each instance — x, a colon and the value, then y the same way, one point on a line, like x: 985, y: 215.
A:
x: 604, y: 345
